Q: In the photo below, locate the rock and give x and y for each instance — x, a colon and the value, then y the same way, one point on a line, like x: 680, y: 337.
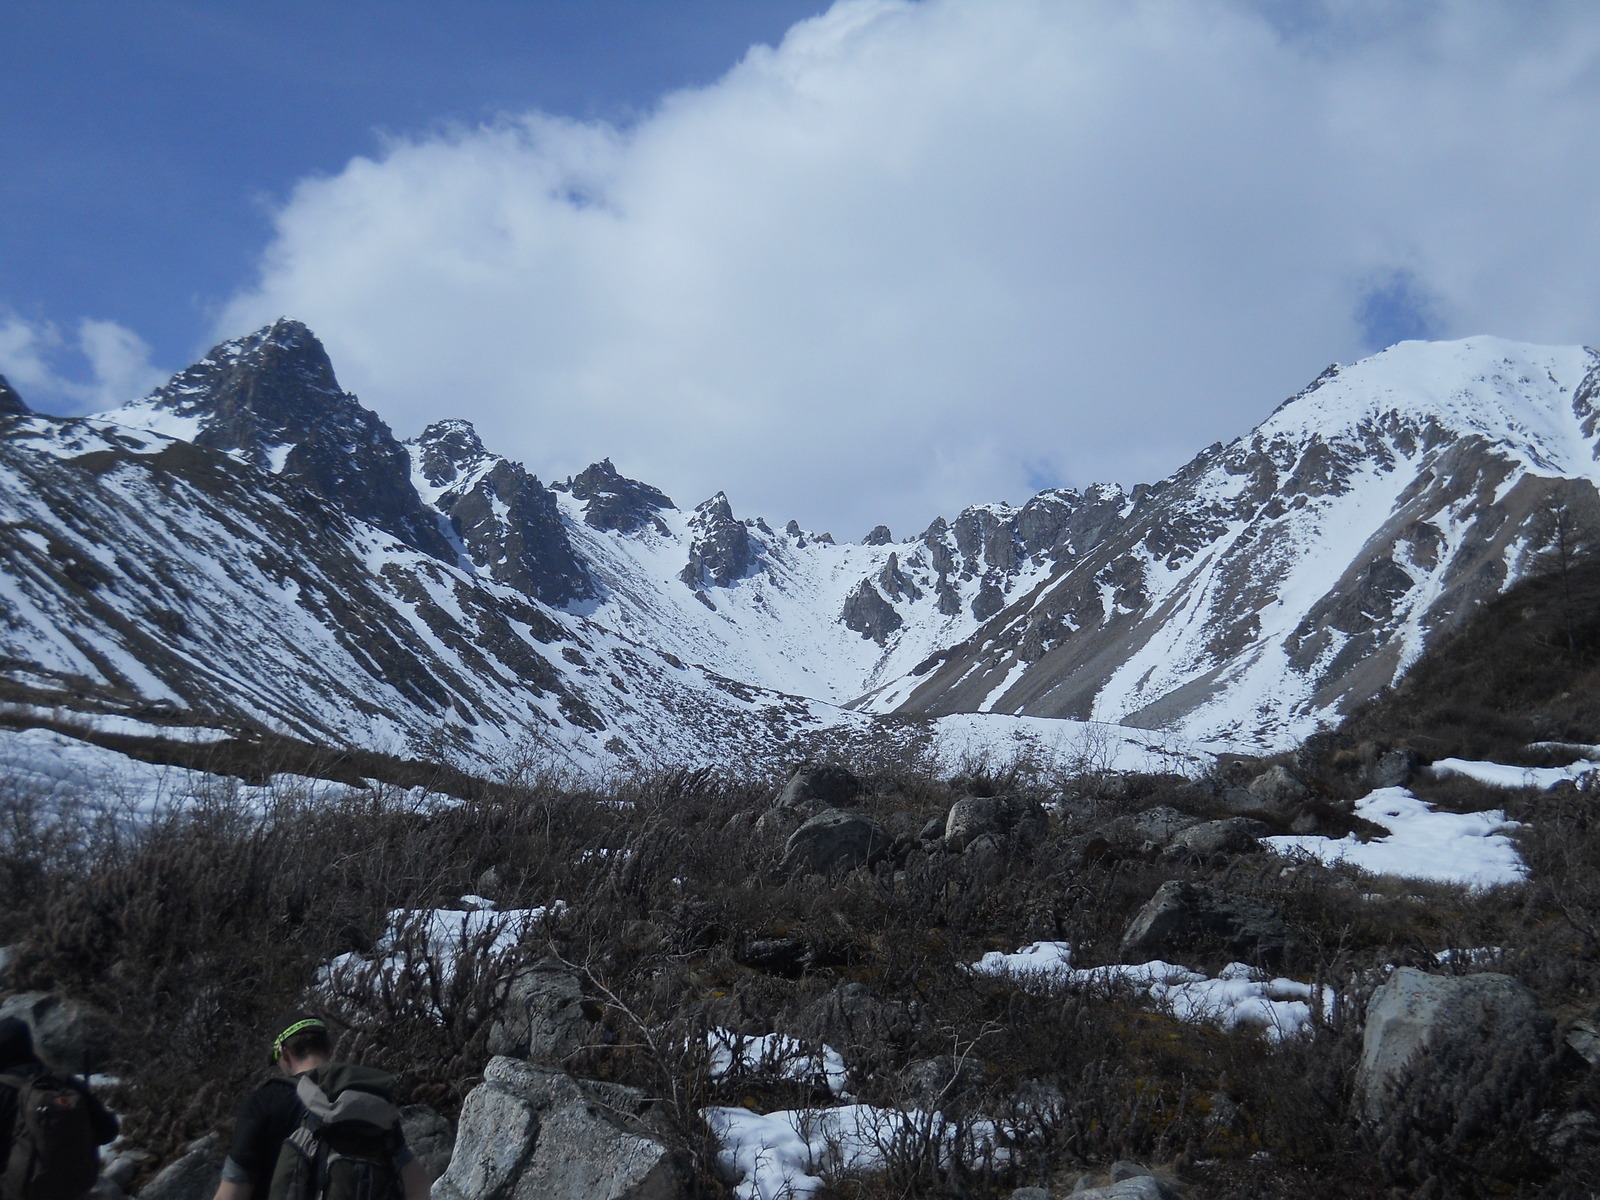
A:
x: 429, y: 1136
x: 8, y: 954
x: 833, y: 842
x: 1160, y: 824
x: 11, y: 404
x: 1242, y: 802
x: 819, y: 787
x: 879, y: 536
x: 119, y: 1169
x: 529, y: 1131
x: 67, y: 1034
x: 1224, y: 1112
x: 1144, y: 1187
x: 1305, y: 822
x: 1016, y: 819
x: 1396, y: 768
x: 1278, y: 787
x: 1184, y: 918
x: 1464, y: 1022
x: 721, y: 551
x: 543, y: 1017
x: 942, y: 1082
x: 1030, y: 1193
x: 933, y: 830
x: 194, y: 1176
x: 1233, y: 835
x: 1563, y: 1135
x: 1584, y: 1039
x: 854, y: 1022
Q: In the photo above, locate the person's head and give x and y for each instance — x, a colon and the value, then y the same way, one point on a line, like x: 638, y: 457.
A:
x: 300, y: 1042
x: 16, y: 1043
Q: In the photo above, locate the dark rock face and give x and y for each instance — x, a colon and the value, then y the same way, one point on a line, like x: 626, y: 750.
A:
x: 869, y: 614
x: 506, y: 519
x: 612, y: 501
x: 275, y: 389
x: 833, y: 842
x: 722, y: 551
x: 11, y: 404
x: 879, y: 536
x: 1184, y: 919
x: 824, y: 786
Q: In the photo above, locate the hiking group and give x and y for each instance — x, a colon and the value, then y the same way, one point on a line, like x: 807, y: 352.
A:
x: 318, y: 1129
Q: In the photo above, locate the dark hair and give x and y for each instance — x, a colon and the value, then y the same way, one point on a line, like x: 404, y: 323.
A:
x: 299, y: 1034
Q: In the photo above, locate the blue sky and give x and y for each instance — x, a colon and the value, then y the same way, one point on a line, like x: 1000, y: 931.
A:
x: 143, y: 142
x: 854, y: 262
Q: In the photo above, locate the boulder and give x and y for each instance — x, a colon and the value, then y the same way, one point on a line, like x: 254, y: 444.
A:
x: 942, y: 1083
x: 429, y: 1136
x: 1395, y: 768
x: 819, y: 787
x: 1278, y: 787
x: 194, y: 1176
x: 853, y: 1021
x: 1464, y: 1022
x: 543, y: 1018
x: 8, y: 955
x: 1182, y: 919
x: 1140, y: 1187
x: 1584, y: 1039
x: 1160, y: 824
x: 1016, y: 819
x: 1233, y: 835
x: 67, y: 1034
x: 833, y: 842
x: 532, y: 1132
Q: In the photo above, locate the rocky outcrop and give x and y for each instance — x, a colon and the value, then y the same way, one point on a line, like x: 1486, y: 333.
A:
x: 1185, y: 919
x: 823, y: 786
x: 869, y: 614
x: 722, y: 551
x: 271, y: 398
x: 1015, y: 821
x: 507, y: 521
x: 529, y: 1131
x: 192, y: 1176
x: 11, y: 404
x: 612, y: 501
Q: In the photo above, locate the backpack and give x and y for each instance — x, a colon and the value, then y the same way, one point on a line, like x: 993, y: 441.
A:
x: 55, y: 1154
x: 348, y: 1137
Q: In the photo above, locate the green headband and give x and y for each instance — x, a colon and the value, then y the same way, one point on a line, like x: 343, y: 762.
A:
x: 308, y: 1023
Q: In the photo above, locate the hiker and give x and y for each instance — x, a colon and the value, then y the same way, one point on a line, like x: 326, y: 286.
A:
x: 277, y: 1153
x: 51, y: 1126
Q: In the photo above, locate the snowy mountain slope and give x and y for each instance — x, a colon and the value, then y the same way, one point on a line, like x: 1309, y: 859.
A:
x: 1304, y: 567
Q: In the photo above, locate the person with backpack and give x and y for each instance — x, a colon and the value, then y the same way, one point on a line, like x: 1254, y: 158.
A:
x: 320, y: 1129
x: 51, y: 1126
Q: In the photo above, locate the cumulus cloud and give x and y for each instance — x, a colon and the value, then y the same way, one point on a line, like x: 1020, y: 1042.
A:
x: 921, y: 255
x: 103, y: 364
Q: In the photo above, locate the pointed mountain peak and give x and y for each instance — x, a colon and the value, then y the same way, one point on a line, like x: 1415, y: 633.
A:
x: 447, y: 449
x: 612, y: 501
x: 11, y: 404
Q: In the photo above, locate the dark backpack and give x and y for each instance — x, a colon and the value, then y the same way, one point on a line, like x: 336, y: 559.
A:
x: 348, y: 1137
x: 55, y: 1154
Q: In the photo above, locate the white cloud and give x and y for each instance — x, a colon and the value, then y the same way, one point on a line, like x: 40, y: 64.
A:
x: 924, y: 255
x: 112, y: 364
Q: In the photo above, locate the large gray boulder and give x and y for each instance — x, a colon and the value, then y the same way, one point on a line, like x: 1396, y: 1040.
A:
x: 194, y: 1176
x: 1183, y: 919
x: 1226, y: 838
x: 543, y: 1018
x: 533, y: 1133
x: 832, y: 842
x: 67, y: 1034
x: 1015, y: 820
x: 1460, y: 1025
x: 1278, y: 787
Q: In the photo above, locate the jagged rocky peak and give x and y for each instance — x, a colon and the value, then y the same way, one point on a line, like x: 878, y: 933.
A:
x: 11, y: 404
x: 446, y: 450
x: 722, y: 551
x: 879, y: 536
x: 508, y: 523
x: 271, y: 399
x: 613, y: 501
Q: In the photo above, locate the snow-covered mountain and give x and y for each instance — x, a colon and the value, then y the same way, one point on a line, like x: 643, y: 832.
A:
x: 250, y: 542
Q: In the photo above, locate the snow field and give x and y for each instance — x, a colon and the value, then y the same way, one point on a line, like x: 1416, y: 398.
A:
x: 1470, y: 849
